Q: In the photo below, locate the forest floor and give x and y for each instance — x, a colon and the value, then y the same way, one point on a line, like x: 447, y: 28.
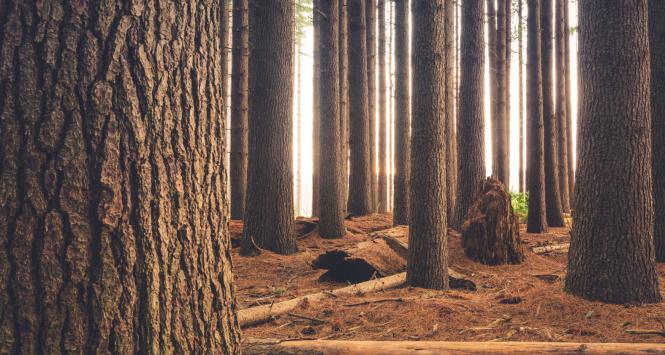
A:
x: 512, y: 302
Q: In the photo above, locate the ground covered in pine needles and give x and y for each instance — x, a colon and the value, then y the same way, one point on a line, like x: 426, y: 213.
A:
x: 512, y: 303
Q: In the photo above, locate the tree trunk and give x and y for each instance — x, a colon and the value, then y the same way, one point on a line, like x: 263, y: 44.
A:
x: 113, y: 222
x: 360, y: 178
x: 657, y: 36
x: 297, y: 183
x: 537, y: 222
x: 371, y: 22
x: 611, y: 256
x: 451, y: 138
x: 383, y: 120
x: 402, y: 116
x: 506, y: 93
x: 552, y: 197
x: 569, y: 105
x: 226, y: 30
x: 427, y: 262
x: 316, y: 110
x: 471, y: 122
x: 561, y: 104
x: 269, y: 210
x: 331, y: 221
x: 493, y: 84
x: 239, y: 97
x: 500, y: 168
x: 520, y: 37
x: 344, y: 97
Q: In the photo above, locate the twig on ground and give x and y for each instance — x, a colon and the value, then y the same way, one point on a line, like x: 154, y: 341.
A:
x: 393, y: 299
x: 317, y: 320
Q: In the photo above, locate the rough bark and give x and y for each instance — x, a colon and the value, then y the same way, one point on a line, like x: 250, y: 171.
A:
x: 569, y: 105
x: 360, y: 174
x: 657, y: 47
x: 370, y: 33
x: 382, y: 118
x: 500, y: 168
x: 331, y: 220
x: 612, y: 255
x: 269, y: 209
x: 239, y: 108
x: 113, y: 226
x: 552, y: 197
x: 344, y: 97
x: 535, y: 169
x: 506, y: 93
x: 226, y: 30
x: 492, y: 74
x: 561, y: 105
x: 451, y: 138
x: 316, y: 111
x: 402, y: 116
x: 520, y: 60
x: 427, y: 262
x: 471, y: 121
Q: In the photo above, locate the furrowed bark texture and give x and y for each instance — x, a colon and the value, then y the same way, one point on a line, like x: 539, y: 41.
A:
x: 344, y: 98
x: 493, y: 84
x: 427, y: 261
x: 331, y: 220
x: 612, y: 255
x: 501, y: 170
x: 657, y: 40
x: 561, y: 104
x: 506, y: 93
x: 471, y: 122
x: 402, y: 116
x: 239, y: 108
x: 451, y: 140
x: 383, y: 120
x: 370, y: 34
x: 360, y: 174
x: 269, y: 210
x: 535, y: 169
x: 316, y: 111
x: 569, y: 105
x: 112, y: 179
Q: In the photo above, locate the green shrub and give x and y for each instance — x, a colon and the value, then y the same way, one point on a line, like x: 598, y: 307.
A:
x: 520, y: 202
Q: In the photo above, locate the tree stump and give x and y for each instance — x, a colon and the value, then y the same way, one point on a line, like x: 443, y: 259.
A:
x: 490, y: 234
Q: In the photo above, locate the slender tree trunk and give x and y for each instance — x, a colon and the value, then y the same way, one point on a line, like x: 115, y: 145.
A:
x: 370, y: 33
x: 451, y: 139
x: 506, y: 92
x: 499, y: 132
x: 390, y: 142
x: 101, y: 180
x: 612, y: 255
x: 561, y: 104
x: 569, y: 106
x: 493, y: 83
x: 520, y: 45
x: 471, y: 122
x: 427, y: 262
x: 383, y: 119
x: 537, y: 222
x: 344, y: 97
x: 297, y: 183
x: 269, y: 210
x: 316, y: 110
x: 402, y: 115
x: 239, y: 97
x: 657, y: 36
x: 360, y: 178
x: 226, y: 32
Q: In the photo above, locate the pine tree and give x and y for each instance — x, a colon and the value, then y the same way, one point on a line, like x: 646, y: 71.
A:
x: 561, y: 107
x: 239, y: 108
x: 657, y: 47
x: 402, y: 115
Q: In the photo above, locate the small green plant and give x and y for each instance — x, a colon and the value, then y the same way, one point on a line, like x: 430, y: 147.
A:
x: 520, y: 202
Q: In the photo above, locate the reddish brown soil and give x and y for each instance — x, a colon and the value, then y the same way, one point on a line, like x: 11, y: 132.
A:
x: 512, y: 303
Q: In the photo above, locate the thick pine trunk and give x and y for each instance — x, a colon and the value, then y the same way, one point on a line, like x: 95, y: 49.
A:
x: 520, y: 60
x: 331, y: 220
x: 316, y: 111
x: 427, y: 262
x: 402, y: 116
x: 657, y: 37
x: 370, y: 34
x: 269, y: 210
x: 537, y: 222
x: 360, y: 172
x: 344, y: 97
x: 451, y: 139
x: 383, y: 119
x: 500, y: 166
x: 611, y: 256
x: 493, y: 84
x: 569, y: 105
x: 561, y: 104
x: 239, y: 108
x: 113, y: 225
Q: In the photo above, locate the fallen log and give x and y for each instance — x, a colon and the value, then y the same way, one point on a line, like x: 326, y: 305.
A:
x: 550, y: 248
x: 260, y: 314
x: 335, y: 347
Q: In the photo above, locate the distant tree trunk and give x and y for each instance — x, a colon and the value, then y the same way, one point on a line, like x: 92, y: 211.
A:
x: 537, y: 222
x: 239, y: 97
x: 569, y: 106
x: 316, y: 110
x: 493, y: 83
x: 561, y: 104
x: 297, y: 183
x: 451, y: 138
x: 370, y: 33
x: 427, y: 261
x: 344, y: 97
x: 612, y: 255
x: 520, y: 36
x: 471, y: 121
x: 402, y: 116
x: 360, y: 178
x: 269, y: 210
x: 552, y: 196
x: 382, y: 184
x: 506, y: 92
x: 107, y: 244
x: 226, y: 29
x: 500, y: 166
x: 657, y: 37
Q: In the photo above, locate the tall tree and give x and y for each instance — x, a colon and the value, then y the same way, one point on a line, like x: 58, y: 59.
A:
x: 316, y: 110
x: 269, y: 209
x: 383, y: 119
x: 492, y: 77
x: 331, y: 221
x: 451, y: 138
x: 500, y: 164
x: 569, y: 105
x: 370, y: 33
x: 471, y: 121
x: 360, y: 172
x: 239, y: 108
x: 427, y: 261
x: 506, y: 92
x: 612, y: 255
x: 402, y: 116
x: 520, y: 60
x: 657, y: 40
x: 561, y: 107
x: 537, y: 222
x: 226, y: 29
x: 101, y: 180
x: 552, y: 196
x: 344, y: 96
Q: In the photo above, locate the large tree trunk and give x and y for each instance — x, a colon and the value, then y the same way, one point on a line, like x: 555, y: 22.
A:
x: 402, y: 116
x: 239, y: 108
x: 506, y: 93
x: 471, y: 121
x: 316, y: 111
x: 552, y: 196
x: 269, y: 210
x: 500, y: 167
x: 360, y: 177
x: 493, y: 84
x: 370, y: 34
x: 657, y: 37
x: 520, y: 60
x: 331, y: 220
x: 451, y: 138
x: 226, y: 29
x: 427, y: 262
x: 561, y: 104
x: 383, y: 119
x: 344, y: 97
x: 569, y: 104
x: 612, y: 255
x: 113, y: 225
x: 537, y: 222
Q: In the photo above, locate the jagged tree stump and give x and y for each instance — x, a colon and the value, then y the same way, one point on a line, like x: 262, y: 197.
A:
x: 490, y: 234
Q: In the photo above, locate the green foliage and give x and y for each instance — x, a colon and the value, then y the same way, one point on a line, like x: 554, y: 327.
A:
x: 520, y: 202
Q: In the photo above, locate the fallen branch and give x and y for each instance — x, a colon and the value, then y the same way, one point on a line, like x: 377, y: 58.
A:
x: 382, y: 300
x: 315, y: 320
x: 550, y: 248
x: 660, y: 332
